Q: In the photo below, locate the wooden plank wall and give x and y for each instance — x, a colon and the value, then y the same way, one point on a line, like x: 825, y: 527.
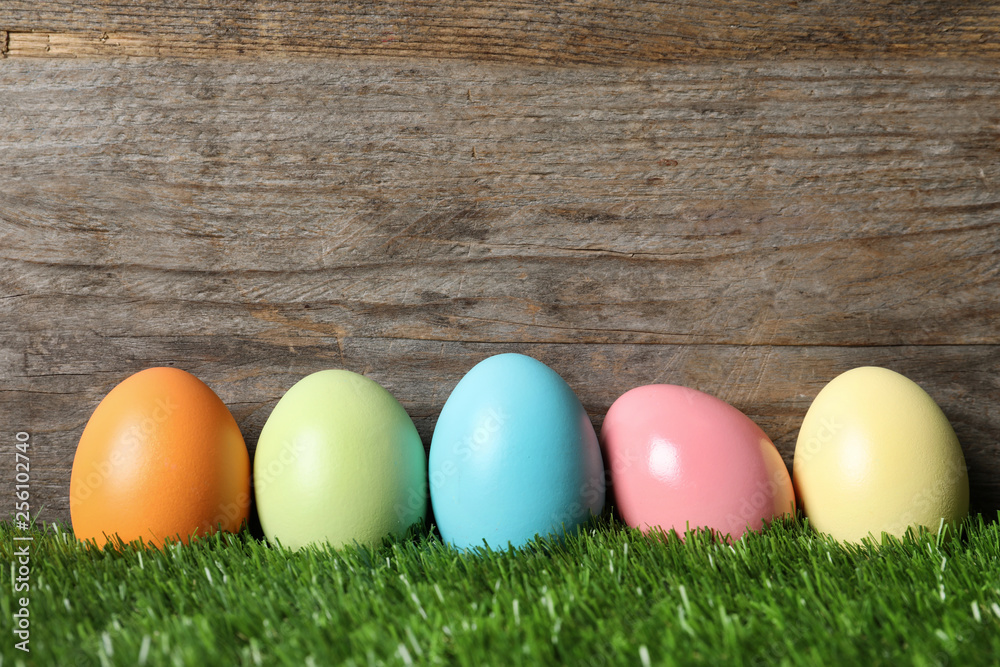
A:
x: 746, y: 201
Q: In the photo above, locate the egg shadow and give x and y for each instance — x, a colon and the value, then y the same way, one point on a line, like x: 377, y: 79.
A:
x: 982, y: 460
x: 252, y: 524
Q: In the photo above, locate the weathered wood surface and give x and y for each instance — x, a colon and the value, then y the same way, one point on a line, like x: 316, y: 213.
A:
x: 793, y: 205
x: 747, y: 223
x: 617, y: 32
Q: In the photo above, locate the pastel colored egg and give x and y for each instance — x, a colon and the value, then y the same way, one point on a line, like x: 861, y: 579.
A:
x: 340, y: 462
x: 876, y: 455
x: 682, y: 459
x: 514, y: 455
x: 161, y: 457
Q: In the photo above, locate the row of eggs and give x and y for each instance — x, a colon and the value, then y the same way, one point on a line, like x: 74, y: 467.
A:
x: 513, y: 455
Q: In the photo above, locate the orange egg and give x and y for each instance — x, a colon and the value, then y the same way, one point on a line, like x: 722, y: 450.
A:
x: 161, y: 457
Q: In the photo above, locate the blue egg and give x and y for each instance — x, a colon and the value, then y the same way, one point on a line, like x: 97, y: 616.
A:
x: 514, y: 455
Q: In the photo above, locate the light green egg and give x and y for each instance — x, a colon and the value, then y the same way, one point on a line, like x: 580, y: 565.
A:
x: 339, y: 461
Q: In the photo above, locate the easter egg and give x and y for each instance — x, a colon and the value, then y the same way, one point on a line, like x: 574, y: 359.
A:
x: 681, y: 459
x: 339, y: 462
x: 161, y: 457
x: 513, y: 455
x: 875, y: 455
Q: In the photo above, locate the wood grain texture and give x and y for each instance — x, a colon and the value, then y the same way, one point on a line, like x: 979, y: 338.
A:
x: 749, y: 229
x: 610, y: 32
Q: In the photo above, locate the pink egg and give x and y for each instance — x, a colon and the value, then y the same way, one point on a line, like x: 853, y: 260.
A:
x: 680, y: 458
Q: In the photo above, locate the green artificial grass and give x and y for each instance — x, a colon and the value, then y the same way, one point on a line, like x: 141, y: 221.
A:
x: 608, y: 595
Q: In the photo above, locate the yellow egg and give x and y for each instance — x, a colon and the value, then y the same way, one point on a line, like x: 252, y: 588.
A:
x: 876, y: 454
